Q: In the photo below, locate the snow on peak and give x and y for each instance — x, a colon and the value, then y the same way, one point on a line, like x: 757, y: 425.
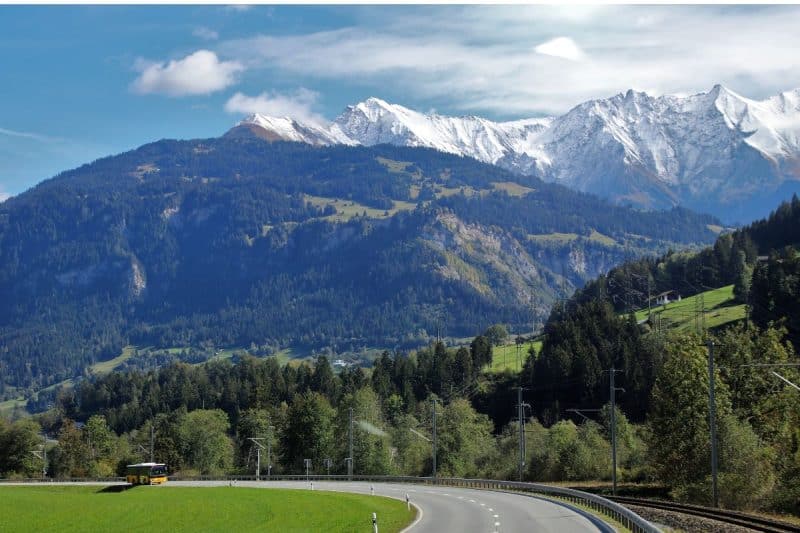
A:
x: 644, y: 149
x: 289, y: 129
x: 375, y: 121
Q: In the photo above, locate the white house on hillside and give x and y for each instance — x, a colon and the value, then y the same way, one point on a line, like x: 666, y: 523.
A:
x: 666, y: 297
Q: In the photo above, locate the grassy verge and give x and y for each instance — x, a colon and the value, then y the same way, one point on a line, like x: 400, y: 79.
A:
x: 70, y: 508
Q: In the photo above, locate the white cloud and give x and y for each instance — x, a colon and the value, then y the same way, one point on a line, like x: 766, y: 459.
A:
x: 485, y: 59
x: 298, y: 105
x: 238, y: 7
x: 199, y: 73
x: 3, y: 195
x: 563, y: 47
x: 205, y: 33
x: 27, y: 135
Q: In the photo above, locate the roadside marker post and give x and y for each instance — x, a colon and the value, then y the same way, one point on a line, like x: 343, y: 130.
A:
x: 374, y: 522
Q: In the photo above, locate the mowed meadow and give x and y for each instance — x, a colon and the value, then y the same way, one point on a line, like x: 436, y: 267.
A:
x: 84, y: 508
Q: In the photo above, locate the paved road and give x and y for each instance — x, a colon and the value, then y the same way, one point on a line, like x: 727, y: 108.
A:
x: 456, y: 509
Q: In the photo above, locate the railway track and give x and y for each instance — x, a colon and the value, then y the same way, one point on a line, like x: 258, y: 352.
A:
x: 755, y: 523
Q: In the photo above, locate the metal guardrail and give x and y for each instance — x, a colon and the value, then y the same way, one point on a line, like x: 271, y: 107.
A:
x: 615, y: 511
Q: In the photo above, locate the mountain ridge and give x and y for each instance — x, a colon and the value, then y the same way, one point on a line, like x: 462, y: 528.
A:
x: 213, y: 243
x: 716, y: 152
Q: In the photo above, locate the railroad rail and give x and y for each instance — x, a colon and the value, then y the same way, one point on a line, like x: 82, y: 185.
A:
x: 756, y: 523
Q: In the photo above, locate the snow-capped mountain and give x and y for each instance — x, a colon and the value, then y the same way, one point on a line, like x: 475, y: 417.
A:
x: 377, y: 122
x: 717, y: 151
x: 289, y: 129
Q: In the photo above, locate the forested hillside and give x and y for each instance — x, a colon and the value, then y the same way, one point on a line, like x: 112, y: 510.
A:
x: 202, y: 416
x: 663, y: 372
x: 236, y: 242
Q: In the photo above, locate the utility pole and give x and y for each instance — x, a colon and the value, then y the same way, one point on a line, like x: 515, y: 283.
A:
x: 152, y: 439
x: 257, y: 442
x: 521, y: 421
x: 613, y: 393
x: 712, y: 423
x: 434, y: 440
x: 702, y: 297
x: 258, y: 463
x: 269, y: 452
x: 42, y: 454
x: 350, y: 461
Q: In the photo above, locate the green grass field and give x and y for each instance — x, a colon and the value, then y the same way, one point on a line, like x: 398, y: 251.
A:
x: 512, y: 188
x: 565, y: 238
x: 505, y: 357
x: 718, y: 304
x: 347, y: 209
x: 81, y: 508
x: 7, y: 407
x: 104, y: 367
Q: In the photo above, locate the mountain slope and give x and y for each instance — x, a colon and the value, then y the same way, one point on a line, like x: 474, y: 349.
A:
x: 717, y: 152
x: 236, y: 242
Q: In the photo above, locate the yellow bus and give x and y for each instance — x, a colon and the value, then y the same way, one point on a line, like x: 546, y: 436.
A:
x: 146, y: 474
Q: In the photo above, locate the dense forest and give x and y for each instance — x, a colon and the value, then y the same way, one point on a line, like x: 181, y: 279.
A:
x: 664, y: 372
x: 200, y: 417
x: 232, y: 242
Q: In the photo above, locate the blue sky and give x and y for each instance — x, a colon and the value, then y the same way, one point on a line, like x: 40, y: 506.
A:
x: 87, y: 81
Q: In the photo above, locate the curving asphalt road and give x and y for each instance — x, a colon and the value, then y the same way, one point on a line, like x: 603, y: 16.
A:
x: 456, y: 509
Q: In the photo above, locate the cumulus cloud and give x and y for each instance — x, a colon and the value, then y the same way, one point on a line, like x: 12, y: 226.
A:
x: 501, y: 59
x: 205, y: 33
x: 198, y: 73
x: 563, y: 47
x: 298, y: 105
